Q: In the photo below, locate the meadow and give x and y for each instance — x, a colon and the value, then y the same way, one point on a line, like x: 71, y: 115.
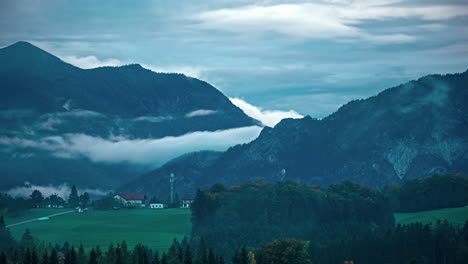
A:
x: 154, y: 228
x: 454, y: 215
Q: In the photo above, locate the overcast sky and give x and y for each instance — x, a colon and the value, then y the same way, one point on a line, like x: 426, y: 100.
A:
x: 307, y: 56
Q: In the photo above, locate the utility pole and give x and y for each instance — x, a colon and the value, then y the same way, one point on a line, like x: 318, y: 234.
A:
x: 171, y: 180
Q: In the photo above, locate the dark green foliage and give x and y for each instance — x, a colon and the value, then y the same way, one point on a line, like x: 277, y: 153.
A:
x: 6, y: 239
x: 27, y: 240
x: 93, y: 259
x: 54, y: 201
x: 3, y: 258
x: 429, y: 193
x: 289, y: 251
x: 36, y: 198
x: 70, y: 257
x: 81, y: 258
x: 202, y: 254
x: 45, y: 258
x: 73, y: 199
x: 84, y: 200
x: 188, y: 257
x: 106, y: 203
x: 13, y: 206
x: 413, y: 243
x: 34, y: 257
x: 255, y: 213
x: 53, y: 257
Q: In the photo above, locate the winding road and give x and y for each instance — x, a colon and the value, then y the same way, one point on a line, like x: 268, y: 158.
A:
x: 35, y: 219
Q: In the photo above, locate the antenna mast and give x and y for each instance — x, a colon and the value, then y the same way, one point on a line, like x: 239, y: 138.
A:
x: 171, y: 180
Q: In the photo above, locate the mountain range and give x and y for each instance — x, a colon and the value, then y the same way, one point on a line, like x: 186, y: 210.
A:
x: 48, y: 105
x: 415, y: 129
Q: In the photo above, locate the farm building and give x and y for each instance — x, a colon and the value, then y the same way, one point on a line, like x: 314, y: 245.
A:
x: 157, y: 205
x: 131, y: 199
x: 186, y: 203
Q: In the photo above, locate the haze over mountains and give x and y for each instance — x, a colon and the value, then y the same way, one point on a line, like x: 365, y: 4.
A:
x: 413, y: 130
x: 62, y: 124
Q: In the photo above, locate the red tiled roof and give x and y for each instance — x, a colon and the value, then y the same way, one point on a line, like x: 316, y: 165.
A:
x: 132, y: 196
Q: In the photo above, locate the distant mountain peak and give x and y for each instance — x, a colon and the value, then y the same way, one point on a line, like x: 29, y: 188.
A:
x: 23, y: 56
x: 26, y: 47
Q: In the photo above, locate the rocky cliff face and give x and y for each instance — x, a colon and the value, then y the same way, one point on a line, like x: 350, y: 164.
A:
x: 413, y: 130
x: 44, y: 100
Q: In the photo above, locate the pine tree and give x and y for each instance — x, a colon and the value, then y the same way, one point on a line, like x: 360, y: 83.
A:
x: 211, y: 257
x: 236, y: 258
x: 125, y: 257
x: 172, y: 254
x: 164, y: 259
x: 156, y: 259
x: 188, y: 256
x: 36, y: 198
x: 45, y: 258
x: 27, y: 239
x: 111, y: 257
x: 93, y: 257
x: 53, y: 257
x: 81, y: 259
x: 84, y: 199
x: 27, y: 257
x: 98, y: 254
x: 73, y: 199
x: 3, y: 258
x: 244, y: 256
x: 34, y: 257
x: 202, y: 256
x: 73, y: 256
x: 6, y: 240
x: 118, y: 256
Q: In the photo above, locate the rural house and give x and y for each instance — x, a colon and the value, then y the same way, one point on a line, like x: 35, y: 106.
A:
x: 131, y: 199
x: 186, y: 203
x: 157, y: 205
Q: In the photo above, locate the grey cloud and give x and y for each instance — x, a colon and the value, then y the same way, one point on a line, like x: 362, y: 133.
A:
x: 153, y: 119
x: 62, y: 190
x: 150, y: 152
x: 201, y: 112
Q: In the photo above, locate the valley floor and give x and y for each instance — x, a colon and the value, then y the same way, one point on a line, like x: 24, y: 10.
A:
x: 454, y: 215
x: 154, y: 228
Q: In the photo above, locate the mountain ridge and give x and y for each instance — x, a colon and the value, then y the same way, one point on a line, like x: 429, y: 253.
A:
x: 45, y: 99
x: 408, y: 131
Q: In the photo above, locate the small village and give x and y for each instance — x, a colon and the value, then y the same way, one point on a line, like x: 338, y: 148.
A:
x: 139, y: 200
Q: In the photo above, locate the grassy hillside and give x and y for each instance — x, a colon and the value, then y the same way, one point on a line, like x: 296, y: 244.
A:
x: 154, y: 228
x: 453, y: 215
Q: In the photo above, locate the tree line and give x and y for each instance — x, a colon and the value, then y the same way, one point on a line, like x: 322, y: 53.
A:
x: 15, y: 206
x: 255, y: 213
x: 334, y: 219
x: 428, y: 193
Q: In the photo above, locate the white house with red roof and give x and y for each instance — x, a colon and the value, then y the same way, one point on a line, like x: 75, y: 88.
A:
x: 131, y: 199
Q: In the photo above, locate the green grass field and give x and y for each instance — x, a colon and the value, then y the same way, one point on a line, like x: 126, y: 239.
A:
x: 453, y: 215
x: 154, y: 228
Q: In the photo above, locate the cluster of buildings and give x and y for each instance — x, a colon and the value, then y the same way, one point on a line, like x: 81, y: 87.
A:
x: 139, y: 200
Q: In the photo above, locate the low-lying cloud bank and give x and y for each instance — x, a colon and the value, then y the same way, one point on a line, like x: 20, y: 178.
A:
x: 267, y: 117
x: 62, y: 190
x: 148, y: 152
